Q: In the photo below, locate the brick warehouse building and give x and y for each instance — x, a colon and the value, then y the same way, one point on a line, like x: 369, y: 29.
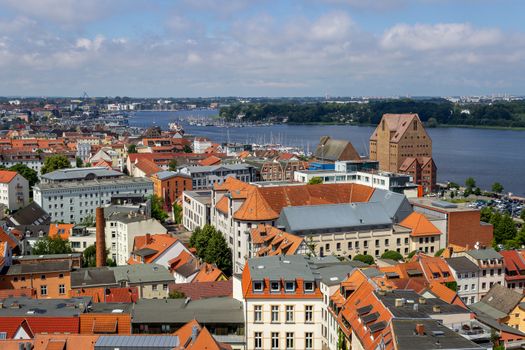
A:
x: 401, y: 145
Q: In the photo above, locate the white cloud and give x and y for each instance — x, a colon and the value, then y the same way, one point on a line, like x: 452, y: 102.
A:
x: 422, y: 37
x: 332, y: 26
x: 90, y: 44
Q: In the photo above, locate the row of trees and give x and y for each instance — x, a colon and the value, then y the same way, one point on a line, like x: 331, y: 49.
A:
x: 212, y: 248
x: 506, y: 231
x: 433, y: 112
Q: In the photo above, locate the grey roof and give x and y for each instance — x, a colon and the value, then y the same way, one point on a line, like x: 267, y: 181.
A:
x: 372, y: 272
x: 22, y: 306
x: 80, y: 174
x: 335, y: 273
x: 487, y: 310
x: 502, y: 298
x: 411, y: 298
x: 395, y: 204
x: 46, y: 257
x: 115, y: 308
x: 33, y: 214
x: 211, y: 310
x: 167, y: 174
x: 123, y: 210
x: 33, y: 231
x: 95, y: 276
x: 462, y: 264
x: 142, y: 273
x: 167, y: 342
x: 484, y: 254
x: 494, y: 323
x: 276, y: 268
x: 145, y: 252
x: 117, y: 181
x: 331, y: 149
x: 203, y: 197
x: 313, y: 218
x: 436, y: 336
x: 126, y: 217
x: 42, y: 267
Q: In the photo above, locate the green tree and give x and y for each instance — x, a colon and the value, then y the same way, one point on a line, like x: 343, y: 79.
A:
x: 176, y: 295
x: 55, y: 162
x: 392, y: 254
x: 90, y: 256
x: 79, y: 162
x: 431, y: 123
x: 29, y: 174
x: 504, y: 228
x: 312, y: 246
x: 48, y: 245
x: 187, y: 149
x: 453, y: 185
x: 132, y: 149
x: 497, y: 187
x: 199, y: 238
x: 173, y: 165
x: 365, y: 258
x: 522, y: 215
x: 477, y: 191
x: 439, y: 252
x: 411, y: 254
x: 157, y: 208
x: 177, y: 213
x: 315, y: 180
x: 486, y: 214
x: 470, y: 183
x: 217, y: 252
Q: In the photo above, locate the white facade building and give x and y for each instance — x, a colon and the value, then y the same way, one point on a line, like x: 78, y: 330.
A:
x: 467, y: 275
x: 14, y: 190
x: 195, y: 209
x: 121, y: 230
x: 73, y: 201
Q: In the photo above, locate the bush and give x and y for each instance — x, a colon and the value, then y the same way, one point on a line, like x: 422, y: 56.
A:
x: 365, y: 258
x: 392, y: 254
x: 439, y: 252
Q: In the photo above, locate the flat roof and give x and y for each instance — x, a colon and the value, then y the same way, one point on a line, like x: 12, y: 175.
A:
x: 439, y: 205
x: 80, y: 173
x: 23, y: 306
x: 124, y: 180
x: 203, y: 197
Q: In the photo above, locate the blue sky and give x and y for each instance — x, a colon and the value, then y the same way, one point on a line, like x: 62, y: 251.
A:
x: 261, y: 47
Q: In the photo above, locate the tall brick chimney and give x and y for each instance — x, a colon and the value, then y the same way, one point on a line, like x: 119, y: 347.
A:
x: 101, y: 237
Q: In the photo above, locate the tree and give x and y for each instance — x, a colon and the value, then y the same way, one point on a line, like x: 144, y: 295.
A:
x: 211, y: 247
x: 173, y: 165
x: 439, y: 252
x: 187, y: 149
x: 486, y: 214
x: 177, y: 213
x: 470, y: 183
x: 55, y: 162
x: 392, y: 254
x: 157, y: 211
x: 90, y: 256
x: 176, y: 295
x: 497, y: 187
x: 477, y: 191
x: 411, y: 254
x: 29, y: 174
x: 522, y: 215
x: 453, y: 185
x: 315, y: 180
x: 365, y: 258
x: 88, y: 221
x: 49, y: 245
x: 504, y: 228
x: 431, y: 123
x: 79, y: 162
x: 132, y: 149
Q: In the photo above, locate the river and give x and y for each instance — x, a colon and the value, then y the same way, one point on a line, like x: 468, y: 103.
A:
x: 485, y: 154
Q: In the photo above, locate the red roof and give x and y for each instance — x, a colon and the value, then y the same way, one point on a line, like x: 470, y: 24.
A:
x: 203, y: 290
x: 40, y: 324
x: 6, y: 176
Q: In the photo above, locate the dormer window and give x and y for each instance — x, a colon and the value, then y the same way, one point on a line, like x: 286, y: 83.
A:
x: 257, y: 286
x: 289, y: 286
x: 275, y: 286
x: 309, y: 287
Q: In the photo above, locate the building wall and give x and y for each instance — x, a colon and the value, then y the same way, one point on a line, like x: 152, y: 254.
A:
x: 51, y: 281
x: 299, y: 327
x: 194, y: 213
x: 15, y: 194
x: 468, y: 286
x: 171, y: 189
x: 156, y: 290
x: 428, y: 244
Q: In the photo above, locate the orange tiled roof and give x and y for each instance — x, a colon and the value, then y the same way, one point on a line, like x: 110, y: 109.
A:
x: 276, y: 242
x: 446, y: 294
x: 435, y: 268
x: 61, y: 230
x: 148, y: 167
x: 203, y: 290
x: 222, y: 205
x: 159, y: 242
x: 105, y: 323
x: 70, y: 341
x: 40, y: 324
x: 209, y: 273
x: 6, y: 176
x: 211, y: 160
x: 206, y: 341
x: 420, y: 225
x: 180, y: 260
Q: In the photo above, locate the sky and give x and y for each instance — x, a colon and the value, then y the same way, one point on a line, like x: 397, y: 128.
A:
x: 192, y: 48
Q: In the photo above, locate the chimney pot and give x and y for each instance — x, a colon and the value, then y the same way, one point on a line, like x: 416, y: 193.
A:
x: 399, y: 302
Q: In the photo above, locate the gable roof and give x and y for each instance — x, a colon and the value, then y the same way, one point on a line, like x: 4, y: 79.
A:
x: 420, y: 225
x: 6, y: 176
x: 33, y: 214
x: 68, y: 324
x: 501, y: 298
x: 275, y: 241
x: 397, y: 124
x: 204, y: 290
x: 147, y: 166
x: 157, y: 245
x: 332, y: 150
x: 61, y: 230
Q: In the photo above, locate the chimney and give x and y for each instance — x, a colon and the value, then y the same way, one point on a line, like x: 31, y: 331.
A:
x: 436, y: 308
x: 101, y: 237
x: 148, y: 238
x: 420, y: 329
x: 422, y: 300
x: 194, y: 331
x: 399, y: 302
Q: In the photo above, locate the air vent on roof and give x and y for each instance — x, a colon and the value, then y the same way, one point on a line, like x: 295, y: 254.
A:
x: 286, y: 261
x: 334, y: 278
x: 117, y: 311
x: 260, y: 267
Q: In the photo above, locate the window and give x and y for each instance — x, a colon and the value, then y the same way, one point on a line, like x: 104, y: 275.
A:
x: 154, y: 287
x: 275, y: 286
x: 377, y: 243
x: 289, y: 286
x: 43, y: 290
x: 275, y: 340
x: 308, y: 314
x: 349, y: 245
x: 257, y: 340
x: 62, y: 289
x: 257, y: 286
x: 275, y: 313
x: 257, y: 313
x: 338, y: 246
x: 483, y: 285
x: 289, y: 313
x: 308, y: 286
x: 308, y: 340
x: 165, y: 286
x: 43, y: 277
x: 289, y: 340
x: 61, y: 275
